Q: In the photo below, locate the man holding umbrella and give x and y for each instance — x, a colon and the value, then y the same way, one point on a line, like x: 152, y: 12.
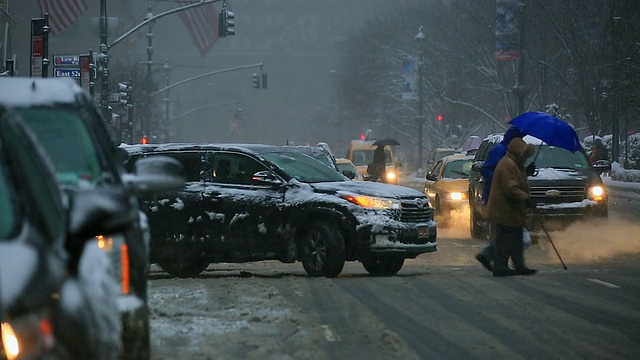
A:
x: 509, y: 200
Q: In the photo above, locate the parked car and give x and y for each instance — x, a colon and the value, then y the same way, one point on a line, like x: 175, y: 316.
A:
x: 47, y: 309
x: 566, y: 188
x: 321, y: 154
x: 276, y: 203
x: 346, y: 168
x: 74, y: 135
x: 446, y: 186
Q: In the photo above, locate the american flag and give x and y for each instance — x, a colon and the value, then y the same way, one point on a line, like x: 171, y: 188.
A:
x: 202, y: 23
x: 62, y: 13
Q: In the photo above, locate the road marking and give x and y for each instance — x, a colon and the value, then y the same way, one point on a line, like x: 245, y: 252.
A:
x: 329, y: 334
x: 609, y: 285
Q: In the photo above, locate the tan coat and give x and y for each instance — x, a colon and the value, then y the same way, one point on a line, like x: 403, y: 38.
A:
x: 509, y: 193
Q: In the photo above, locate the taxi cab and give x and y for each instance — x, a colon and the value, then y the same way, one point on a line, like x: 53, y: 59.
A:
x: 361, y: 154
x: 447, y: 184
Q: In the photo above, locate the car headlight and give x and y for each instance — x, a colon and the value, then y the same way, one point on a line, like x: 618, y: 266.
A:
x: 27, y: 337
x: 391, y: 175
x: 596, y: 193
x: 456, y: 196
x: 118, y: 252
x: 371, y: 202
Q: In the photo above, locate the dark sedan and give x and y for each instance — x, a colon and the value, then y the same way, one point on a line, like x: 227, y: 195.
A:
x: 252, y: 202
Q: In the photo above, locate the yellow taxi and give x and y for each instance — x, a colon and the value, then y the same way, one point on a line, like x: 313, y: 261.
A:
x: 361, y: 154
x: 447, y: 185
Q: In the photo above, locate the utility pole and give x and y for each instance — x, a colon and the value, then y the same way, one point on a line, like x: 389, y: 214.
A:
x: 521, y: 90
x: 420, y: 119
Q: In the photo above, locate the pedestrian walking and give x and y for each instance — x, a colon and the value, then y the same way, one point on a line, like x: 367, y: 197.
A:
x: 485, y: 256
x: 509, y: 201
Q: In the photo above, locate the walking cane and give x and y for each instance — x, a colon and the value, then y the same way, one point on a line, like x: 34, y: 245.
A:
x: 551, y: 241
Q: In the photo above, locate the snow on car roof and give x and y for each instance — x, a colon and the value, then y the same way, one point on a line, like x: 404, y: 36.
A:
x: 24, y: 91
x: 496, y: 138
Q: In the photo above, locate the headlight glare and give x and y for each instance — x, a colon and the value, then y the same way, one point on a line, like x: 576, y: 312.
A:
x: 596, y: 193
x: 456, y: 195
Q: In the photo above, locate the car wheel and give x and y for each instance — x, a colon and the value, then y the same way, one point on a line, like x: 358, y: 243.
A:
x: 382, y: 265
x: 474, y: 228
x: 135, y: 335
x: 183, y: 269
x: 322, y: 250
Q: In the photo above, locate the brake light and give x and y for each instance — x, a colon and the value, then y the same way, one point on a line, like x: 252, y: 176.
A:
x: 124, y: 261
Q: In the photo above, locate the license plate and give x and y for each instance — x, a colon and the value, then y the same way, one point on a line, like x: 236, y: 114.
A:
x: 423, y: 232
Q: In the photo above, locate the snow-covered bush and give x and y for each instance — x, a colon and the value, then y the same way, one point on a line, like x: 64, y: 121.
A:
x: 620, y: 174
x: 633, y: 151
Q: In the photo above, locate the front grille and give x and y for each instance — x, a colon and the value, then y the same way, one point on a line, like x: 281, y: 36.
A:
x: 412, y: 212
x: 557, y: 194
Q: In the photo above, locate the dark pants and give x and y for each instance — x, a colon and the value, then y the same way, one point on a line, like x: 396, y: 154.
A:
x: 508, y: 245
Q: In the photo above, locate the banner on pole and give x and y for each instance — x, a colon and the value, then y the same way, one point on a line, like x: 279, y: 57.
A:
x: 410, y: 78
x: 506, y: 30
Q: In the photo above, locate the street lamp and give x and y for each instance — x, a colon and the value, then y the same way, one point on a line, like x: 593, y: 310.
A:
x: 420, y: 38
x: 167, y: 71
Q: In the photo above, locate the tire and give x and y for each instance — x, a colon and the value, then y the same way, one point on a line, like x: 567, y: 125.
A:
x: 135, y: 335
x: 474, y: 228
x: 184, y: 269
x: 321, y: 250
x: 382, y: 265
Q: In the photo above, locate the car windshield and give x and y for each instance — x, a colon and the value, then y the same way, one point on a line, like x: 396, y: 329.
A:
x: 457, y: 169
x: 364, y: 157
x: 558, y: 158
x: 62, y: 134
x: 302, y: 167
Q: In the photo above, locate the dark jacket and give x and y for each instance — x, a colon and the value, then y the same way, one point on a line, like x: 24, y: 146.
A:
x: 509, y: 194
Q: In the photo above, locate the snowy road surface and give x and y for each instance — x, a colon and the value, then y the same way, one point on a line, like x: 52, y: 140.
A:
x: 441, y: 305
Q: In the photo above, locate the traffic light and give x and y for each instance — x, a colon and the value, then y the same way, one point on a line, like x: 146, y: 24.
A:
x: 226, y: 24
x: 264, y: 80
x: 255, y: 79
x: 124, y: 89
x: 439, y: 117
x: 238, y: 114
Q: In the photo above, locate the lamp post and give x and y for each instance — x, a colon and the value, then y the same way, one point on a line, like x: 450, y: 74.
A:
x: 420, y: 38
x: 167, y: 71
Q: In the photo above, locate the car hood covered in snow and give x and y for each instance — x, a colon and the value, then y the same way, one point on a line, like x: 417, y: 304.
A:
x: 367, y: 188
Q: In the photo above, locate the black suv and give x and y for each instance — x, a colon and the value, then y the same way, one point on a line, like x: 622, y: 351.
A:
x: 70, y: 129
x: 565, y: 189
x: 251, y: 202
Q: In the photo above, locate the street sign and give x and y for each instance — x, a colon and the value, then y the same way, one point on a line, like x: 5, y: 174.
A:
x: 66, y: 60
x: 114, y: 97
x: 62, y: 72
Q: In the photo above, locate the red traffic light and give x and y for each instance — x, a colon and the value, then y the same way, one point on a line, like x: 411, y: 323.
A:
x: 144, y: 140
x: 439, y: 118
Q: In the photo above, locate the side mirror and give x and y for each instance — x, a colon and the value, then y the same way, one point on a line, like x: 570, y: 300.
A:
x: 602, y: 166
x: 266, y: 177
x: 349, y: 173
x: 155, y: 174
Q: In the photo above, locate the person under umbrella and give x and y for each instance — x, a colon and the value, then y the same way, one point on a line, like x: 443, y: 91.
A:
x: 509, y: 200
x: 377, y: 167
x: 485, y: 256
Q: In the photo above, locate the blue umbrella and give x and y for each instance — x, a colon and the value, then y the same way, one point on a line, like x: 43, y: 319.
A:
x: 549, y: 129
